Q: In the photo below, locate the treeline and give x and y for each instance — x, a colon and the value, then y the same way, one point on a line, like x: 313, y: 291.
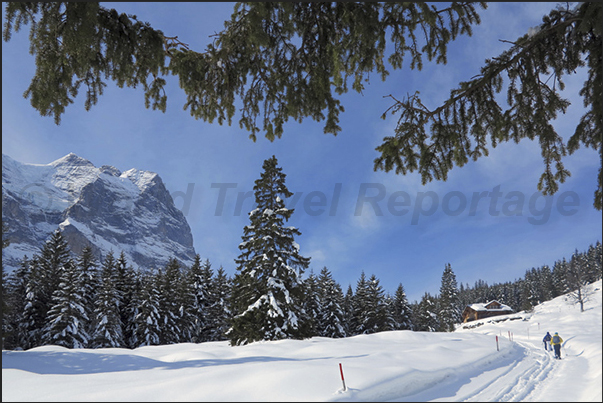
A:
x: 539, y: 284
x: 78, y: 302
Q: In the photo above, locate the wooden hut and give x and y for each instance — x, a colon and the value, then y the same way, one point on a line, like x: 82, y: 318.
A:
x: 480, y: 311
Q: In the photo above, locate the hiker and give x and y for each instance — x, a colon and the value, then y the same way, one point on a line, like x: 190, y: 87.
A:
x: 556, y: 341
x: 546, y: 340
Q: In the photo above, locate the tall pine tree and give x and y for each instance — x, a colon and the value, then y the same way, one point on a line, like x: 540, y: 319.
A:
x: 43, y: 281
x: 67, y: 318
x: 360, y: 306
x: 268, y: 287
x: 449, y: 312
x: 88, y: 267
x: 170, y: 303
x: 109, y: 328
x: 34, y: 309
x: 147, y: 321
x: 312, y: 304
x: 220, y: 311
x: 125, y: 283
x: 331, y: 318
x: 378, y: 316
x: 402, y: 313
x: 349, y: 312
x: 14, y: 293
x: 426, y: 314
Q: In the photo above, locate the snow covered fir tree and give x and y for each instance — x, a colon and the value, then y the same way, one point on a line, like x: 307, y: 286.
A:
x: 331, y: 315
x: 448, y: 308
x: 267, y: 294
x: 66, y: 320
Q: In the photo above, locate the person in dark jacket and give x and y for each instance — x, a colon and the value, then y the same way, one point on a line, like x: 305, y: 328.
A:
x: 556, y: 341
x: 547, y: 340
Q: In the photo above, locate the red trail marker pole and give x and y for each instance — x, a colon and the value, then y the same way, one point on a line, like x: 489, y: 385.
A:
x: 497, y: 344
x: 342, y: 380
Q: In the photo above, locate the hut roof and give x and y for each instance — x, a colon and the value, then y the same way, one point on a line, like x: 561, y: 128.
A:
x: 484, y: 307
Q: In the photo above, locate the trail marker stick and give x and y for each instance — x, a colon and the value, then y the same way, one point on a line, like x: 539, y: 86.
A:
x: 497, y: 344
x: 342, y: 380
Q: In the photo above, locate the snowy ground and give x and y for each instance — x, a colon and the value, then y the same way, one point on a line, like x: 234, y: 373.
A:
x: 390, y: 366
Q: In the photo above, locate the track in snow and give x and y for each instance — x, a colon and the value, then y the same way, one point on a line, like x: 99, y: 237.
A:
x: 518, y: 375
x: 523, y: 378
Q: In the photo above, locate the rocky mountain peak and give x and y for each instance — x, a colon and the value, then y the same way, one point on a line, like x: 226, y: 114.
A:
x: 72, y: 159
x: 105, y: 208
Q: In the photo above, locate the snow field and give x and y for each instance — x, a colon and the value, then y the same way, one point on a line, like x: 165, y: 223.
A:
x: 389, y: 366
x: 379, y: 366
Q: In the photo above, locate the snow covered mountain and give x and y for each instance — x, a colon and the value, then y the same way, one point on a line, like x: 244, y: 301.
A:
x: 129, y: 211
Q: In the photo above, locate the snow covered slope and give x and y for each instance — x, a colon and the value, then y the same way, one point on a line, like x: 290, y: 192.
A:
x: 390, y: 366
x: 131, y: 211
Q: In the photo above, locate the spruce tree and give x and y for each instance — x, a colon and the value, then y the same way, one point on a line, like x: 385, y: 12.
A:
x: 312, y: 304
x: 331, y: 317
x: 545, y: 283
x: 361, y: 305
x: 592, y: 267
x: 125, y: 284
x: 34, y: 311
x: 401, y: 311
x: 147, y: 321
x: 531, y: 284
x: 349, y: 313
x: 67, y: 319
x: 54, y: 255
x: 196, y: 280
x: 15, y: 294
x: 268, y: 288
x: 220, y: 311
x: 204, y: 294
x: 43, y: 282
x: 560, y: 277
x: 578, y: 279
x: 526, y: 295
x: 170, y: 303
x: 186, y: 300
x: 449, y: 313
x: 378, y: 317
x: 426, y: 319
x: 109, y: 329
x: 88, y: 267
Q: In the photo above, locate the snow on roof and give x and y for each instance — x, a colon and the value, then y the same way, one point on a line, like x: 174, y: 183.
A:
x: 483, y: 307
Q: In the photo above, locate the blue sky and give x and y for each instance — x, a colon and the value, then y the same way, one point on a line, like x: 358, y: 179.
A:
x: 190, y: 155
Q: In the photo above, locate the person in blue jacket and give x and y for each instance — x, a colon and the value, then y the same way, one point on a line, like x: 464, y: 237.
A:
x: 547, y: 340
x: 556, y: 341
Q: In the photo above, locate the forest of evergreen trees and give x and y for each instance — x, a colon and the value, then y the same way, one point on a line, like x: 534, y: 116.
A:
x: 56, y: 297
x: 78, y: 302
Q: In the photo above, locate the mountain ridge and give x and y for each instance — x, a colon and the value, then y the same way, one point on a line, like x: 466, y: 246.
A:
x: 129, y: 211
